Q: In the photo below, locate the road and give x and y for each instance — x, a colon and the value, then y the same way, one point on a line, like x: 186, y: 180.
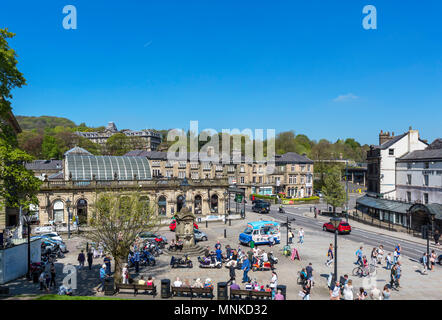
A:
x: 370, y: 239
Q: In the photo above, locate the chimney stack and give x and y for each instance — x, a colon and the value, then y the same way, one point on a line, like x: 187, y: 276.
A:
x: 384, y: 137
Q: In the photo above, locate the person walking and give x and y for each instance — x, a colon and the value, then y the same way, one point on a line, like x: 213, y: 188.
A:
x: 103, y: 275
x: 359, y: 254
x: 398, y: 273
x: 436, y: 237
x: 348, y: 290
x: 42, y: 279
x: 81, y: 259
x: 231, y: 273
x: 309, y: 272
x: 301, y: 235
x: 374, y: 256
x: 137, y: 261
x: 329, y: 255
x: 274, y: 284
x: 424, y: 261
x: 432, y: 259
x: 53, y: 274
x: 90, y: 259
x: 393, y: 280
x: 291, y: 236
x: 246, y: 269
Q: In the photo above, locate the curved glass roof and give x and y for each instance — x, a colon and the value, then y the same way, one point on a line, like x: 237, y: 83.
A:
x: 83, y: 167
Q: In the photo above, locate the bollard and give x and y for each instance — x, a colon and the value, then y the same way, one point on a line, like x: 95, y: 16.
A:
x: 206, y: 223
x: 230, y: 222
x: 225, y: 235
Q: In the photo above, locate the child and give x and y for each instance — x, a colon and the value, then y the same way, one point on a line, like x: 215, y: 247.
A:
x: 389, y: 261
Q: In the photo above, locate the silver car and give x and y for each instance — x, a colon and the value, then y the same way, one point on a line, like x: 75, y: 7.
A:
x: 199, y: 235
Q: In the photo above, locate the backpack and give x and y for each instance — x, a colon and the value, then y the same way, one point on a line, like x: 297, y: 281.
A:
x: 421, y: 260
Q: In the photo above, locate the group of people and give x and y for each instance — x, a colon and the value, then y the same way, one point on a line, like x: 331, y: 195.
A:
x: 208, y: 283
x: 343, y: 290
x: 254, y: 285
x: 47, y: 278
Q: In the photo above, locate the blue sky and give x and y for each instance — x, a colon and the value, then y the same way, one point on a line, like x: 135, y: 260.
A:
x: 307, y: 66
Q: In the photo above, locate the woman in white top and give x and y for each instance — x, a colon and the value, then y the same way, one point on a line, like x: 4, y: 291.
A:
x: 273, y: 283
x: 348, y: 290
x: 125, y: 275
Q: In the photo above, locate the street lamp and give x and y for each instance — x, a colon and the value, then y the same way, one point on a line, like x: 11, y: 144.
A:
x: 68, y: 204
x: 27, y: 220
x: 335, y: 221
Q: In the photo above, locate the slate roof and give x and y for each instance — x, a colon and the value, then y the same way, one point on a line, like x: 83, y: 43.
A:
x: 422, y: 155
x: 289, y: 157
x: 77, y: 150
x: 436, y: 144
x: 44, y: 165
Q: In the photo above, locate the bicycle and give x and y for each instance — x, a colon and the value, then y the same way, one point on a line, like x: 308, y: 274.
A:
x: 363, y: 272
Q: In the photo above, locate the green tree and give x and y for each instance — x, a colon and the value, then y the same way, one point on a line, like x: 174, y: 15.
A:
x: 116, y: 221
x: 50, y: 148
x: 333, y: 190
x: 19, y: 187
x: 117, y: 145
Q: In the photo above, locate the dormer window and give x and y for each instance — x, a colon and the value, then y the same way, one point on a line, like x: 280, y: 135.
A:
x: 391, y: 152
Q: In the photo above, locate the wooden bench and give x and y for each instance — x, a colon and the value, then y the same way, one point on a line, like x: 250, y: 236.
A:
x: 249, y: 294
x: 136, y: 287
x: 199, y: 292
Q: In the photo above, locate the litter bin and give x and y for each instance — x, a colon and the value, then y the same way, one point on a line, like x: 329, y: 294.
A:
x: 222, y: 291
x: 165, y: 288
x: 109, y: 289
x: 35, y: 276
x: 283, y: 289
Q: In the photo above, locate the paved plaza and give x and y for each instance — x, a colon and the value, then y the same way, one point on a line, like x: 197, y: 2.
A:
x: 414, y: 285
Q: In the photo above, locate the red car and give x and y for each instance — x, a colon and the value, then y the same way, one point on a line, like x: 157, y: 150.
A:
x: 172, y: 225
x: 343, y: 227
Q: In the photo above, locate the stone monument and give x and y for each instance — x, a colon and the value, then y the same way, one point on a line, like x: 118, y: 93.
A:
x: 184, y: 228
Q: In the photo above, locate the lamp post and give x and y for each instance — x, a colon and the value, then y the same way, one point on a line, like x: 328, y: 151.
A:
x: 68, y: 204
x: 335, y: 221
x: 27, y: 220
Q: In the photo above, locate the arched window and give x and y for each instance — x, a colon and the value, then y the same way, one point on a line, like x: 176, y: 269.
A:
x: 179, y: 203
x: 198, y: 204
x: 162, y: 206
x: 58, y: 211
x: 214, y: 204
x: 82, y: 211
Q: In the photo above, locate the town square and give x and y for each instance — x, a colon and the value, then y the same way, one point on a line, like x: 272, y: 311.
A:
x: 220, y: 158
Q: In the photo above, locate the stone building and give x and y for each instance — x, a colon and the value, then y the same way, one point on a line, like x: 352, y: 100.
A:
x: 291, y: 173
x: 84, y: 176
x: 381, y: 160
x: 151, y: 139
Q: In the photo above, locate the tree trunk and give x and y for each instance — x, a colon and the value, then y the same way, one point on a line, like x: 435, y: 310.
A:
x: 119, y: 263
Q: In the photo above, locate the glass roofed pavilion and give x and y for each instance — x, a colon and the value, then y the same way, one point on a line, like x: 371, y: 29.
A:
x: 87, y: 167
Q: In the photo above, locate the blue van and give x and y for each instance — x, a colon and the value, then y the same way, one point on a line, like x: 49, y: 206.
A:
x: 260, y: 231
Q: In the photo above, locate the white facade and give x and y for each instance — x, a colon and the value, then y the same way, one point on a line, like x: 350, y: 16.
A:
x: 408, y: 143
x: 419, y: 181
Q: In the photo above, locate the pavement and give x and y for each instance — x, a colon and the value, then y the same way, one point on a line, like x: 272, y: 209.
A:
x: 414, y: 285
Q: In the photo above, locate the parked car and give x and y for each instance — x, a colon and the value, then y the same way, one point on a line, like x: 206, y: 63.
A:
x: 261, y: 207
x: 172, y: 225
x: 343, y: 227
x: 150, y: 236
x: 52, y: 235
x: 199, y: 235
x: 50, y: 244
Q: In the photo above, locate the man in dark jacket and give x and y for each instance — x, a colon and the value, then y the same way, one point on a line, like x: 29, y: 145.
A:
x: 90, y: 258
x: 81, y: 259
x: 231, y: 273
